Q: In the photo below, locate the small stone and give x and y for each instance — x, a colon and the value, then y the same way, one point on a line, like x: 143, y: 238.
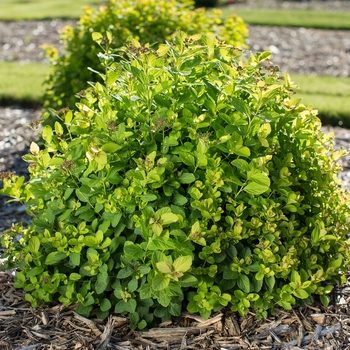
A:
x: 319, y: 318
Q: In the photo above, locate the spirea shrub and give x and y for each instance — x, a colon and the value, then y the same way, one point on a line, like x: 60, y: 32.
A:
x: 149, y: 21
x: 189, y: 179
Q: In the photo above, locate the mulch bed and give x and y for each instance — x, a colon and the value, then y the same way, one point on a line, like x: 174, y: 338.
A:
x: 56, y: 327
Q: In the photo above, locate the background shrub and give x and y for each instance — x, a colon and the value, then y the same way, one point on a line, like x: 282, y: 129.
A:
x: 149, y: 21
x: 189, y: 178
x: 206, y: 3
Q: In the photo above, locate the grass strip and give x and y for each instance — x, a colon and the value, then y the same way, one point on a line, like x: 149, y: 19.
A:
x: 292, y: 18
x: 330, y: 95
x: 44, y: 9
x: 23, y: 84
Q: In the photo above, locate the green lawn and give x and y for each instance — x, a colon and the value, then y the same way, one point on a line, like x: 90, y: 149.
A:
x: 22, y: 83
x: 330, y: 95
x: 293, y: 18
x: 43, y: 9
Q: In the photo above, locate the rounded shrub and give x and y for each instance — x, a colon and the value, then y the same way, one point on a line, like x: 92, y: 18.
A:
x: 149, y: 21
x: 189, y: 178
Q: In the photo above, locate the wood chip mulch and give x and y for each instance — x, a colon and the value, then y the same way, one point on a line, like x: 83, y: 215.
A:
x: 56, y: 327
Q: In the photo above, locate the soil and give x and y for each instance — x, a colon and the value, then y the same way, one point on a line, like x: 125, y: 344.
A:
x: 306, y: 51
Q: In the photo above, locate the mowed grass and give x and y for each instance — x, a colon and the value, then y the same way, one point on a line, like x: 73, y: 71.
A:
x: 292, y: 18
x: 43, y: 9
x: 330, y: 95
x: 23, y: 84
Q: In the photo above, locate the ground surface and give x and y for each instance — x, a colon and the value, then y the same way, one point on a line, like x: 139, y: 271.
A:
x: 299, y: 50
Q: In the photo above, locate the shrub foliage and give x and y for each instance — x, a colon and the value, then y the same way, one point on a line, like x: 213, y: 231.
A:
x: 190, y: 177
x: 149, y: 21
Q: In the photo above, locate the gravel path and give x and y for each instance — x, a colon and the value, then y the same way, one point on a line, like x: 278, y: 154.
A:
x: 296, y: 50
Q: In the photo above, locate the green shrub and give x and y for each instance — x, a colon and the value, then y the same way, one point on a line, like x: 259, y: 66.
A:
x: 149, y: 21
x: 189, y: 178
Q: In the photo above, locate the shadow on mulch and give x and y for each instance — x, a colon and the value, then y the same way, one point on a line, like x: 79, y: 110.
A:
x: 56, y: 327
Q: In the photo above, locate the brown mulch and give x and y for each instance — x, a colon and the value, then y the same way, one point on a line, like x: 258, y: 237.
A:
x: 56, y: 327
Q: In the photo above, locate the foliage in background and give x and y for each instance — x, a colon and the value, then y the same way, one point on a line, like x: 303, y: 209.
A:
x: 206, y: 3
x: 189, y: 177
x: 149, y: 21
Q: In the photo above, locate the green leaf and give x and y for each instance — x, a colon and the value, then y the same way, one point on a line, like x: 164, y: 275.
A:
x: 74, y: 276
x: 162, y: 50
x: 164, y: 267
x: 240, y: 105
x: 83, y: 194
x: 142, y: 324
x: 255, y: 189
x: 34, y: 244
x: 264, y: 130
x: 160, y: 282
x: 336, y: 263
x: 149, y: 197
x: 133, y: 285
x: 257, y: 285
x: 242, y: 151
x: 169, y: 218
x: 101, y: 282
x: 301, y: 293
x: 124, y: 273
x: 74, y: 259
x: 84, y: 310
x: 35, y: 271
x: 186, y: 178
x: 324, y: 300
x: 157, y: 229
x: 241, y: 164
x: 270, y: 282
x: 101, y: 158
x: 174, y: 309
x: 260, y: 178
x: 179, y: 199
x: 58, y: 128
x: 244, y: 283
x: 111, y: 147
x: 187, y: 159
x: 54, y: 258
x: 133, y: 250
x: 97, y: 37
x: 105, y: 305
x: 114, y: 218
x: 145, y: 291
x: 131, y: 305
x: 188, y: 280
x: 182, y: 263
